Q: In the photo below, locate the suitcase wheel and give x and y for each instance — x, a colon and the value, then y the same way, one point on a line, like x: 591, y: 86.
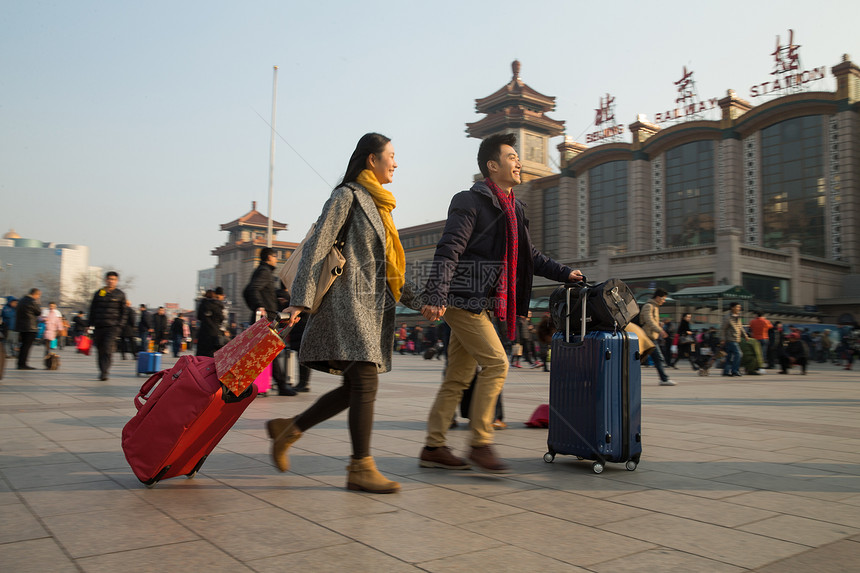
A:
x: 548, y: 457
x: 150, y: 485
x: 630, y: 465
x: 597, y: 467
x: 194, y: 473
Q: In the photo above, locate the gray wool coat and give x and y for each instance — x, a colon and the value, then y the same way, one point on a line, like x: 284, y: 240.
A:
x: 356, y: 319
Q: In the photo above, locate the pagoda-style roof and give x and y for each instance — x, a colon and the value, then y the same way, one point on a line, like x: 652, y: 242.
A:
x: 253, y: 218
x: 246, y: 245
x: 515, y: 105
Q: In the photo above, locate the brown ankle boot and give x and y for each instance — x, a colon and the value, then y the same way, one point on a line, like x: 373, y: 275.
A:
x: 284, y: 433
x: 363, y: 476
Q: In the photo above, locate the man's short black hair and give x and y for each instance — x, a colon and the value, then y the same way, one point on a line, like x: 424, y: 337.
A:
x: 660, y: 292
x: 111, y: 274
x: 491, y: 149
x: 265, y: 252
x: 759, y: 313
x: 733, y: 304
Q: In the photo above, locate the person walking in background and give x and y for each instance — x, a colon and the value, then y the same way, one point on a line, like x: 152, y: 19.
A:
x: 107, y: 314
x: 126, y: 333
x: 545, y: 330
x: 27, y: 323
x: 731, y: 332
x: 796, y: 353
x: 211, y: 335
x: 53, y: 320
x: 177, y: 331
x: 650, y: 321
x: 144, y: 328
x: 760, y: 330
x: 352, y: 332
x: 486, y: 246
x: 686, y: 340
x: 260, y: 296
x: 10, y: 334
x: 159, y: 329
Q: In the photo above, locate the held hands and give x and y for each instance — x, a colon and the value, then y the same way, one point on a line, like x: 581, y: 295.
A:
x: 432, y: 312
x: 574, y: 276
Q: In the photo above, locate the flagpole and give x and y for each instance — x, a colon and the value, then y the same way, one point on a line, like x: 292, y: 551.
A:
x: 272, y: 153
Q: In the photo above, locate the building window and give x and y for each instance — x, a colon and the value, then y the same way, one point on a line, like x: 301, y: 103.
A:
x: 607, y: 206
x: 551, y: 222
x: 769, y: 289
x: 690, y: 194
x: 793, y: 184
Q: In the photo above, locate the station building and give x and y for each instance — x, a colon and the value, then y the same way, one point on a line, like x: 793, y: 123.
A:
x: 766, y: 198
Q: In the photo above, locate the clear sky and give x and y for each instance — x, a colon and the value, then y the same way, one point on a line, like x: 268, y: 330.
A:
x: 137, y: 128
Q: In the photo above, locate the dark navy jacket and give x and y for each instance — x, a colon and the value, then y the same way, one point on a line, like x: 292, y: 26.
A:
x: 467, y: 264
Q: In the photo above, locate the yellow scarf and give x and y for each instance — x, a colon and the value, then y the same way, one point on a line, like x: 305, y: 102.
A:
x: 395, y: 258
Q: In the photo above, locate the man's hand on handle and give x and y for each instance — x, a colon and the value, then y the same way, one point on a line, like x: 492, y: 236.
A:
x: 574, y: 276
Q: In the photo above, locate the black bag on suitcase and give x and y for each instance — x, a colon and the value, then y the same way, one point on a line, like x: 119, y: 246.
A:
x: 610, y: 305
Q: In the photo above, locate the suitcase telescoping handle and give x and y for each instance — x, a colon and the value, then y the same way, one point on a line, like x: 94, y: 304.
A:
x: 583, y: 284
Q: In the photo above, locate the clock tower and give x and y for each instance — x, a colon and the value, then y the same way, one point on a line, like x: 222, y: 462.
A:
x: 516, y: 108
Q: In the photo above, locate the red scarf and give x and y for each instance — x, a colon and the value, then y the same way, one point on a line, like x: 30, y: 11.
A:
x: 506, y: 295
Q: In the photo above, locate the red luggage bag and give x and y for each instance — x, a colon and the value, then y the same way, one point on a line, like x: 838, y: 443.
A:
x: 182, y: 415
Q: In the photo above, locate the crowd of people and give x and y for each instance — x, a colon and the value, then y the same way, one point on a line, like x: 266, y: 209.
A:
x: 479, y: 288
x: 756, y: 347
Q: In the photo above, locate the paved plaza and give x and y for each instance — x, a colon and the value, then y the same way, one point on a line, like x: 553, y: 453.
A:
x: 756, y: 473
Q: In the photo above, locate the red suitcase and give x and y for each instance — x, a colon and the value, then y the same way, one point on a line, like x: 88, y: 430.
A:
x: 182, y: 414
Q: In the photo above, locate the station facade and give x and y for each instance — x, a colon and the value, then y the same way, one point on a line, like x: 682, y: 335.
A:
x: 767, y: 197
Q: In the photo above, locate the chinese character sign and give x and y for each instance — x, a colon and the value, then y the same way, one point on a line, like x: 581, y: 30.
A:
x: 606, y: 111
x: 787, y: 57
x: 685, y: 86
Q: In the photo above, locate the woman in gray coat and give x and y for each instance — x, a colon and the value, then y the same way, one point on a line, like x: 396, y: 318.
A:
x: 352, y: 332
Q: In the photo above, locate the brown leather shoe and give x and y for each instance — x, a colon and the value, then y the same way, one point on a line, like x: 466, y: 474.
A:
x: 442, y: 457
x: 284, y: 433
x: 485, y: 458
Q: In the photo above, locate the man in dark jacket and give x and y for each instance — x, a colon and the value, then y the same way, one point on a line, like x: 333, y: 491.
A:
x: 27, y: 324
x: 210, y: 319
x: 107, y: 314
x: 484, y: 261
x: 260, y: 296
x: 144, y: 328
x: 159, y: 328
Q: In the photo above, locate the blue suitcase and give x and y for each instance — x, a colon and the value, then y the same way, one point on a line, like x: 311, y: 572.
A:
x: 148, y: 362
x: 595, y: 396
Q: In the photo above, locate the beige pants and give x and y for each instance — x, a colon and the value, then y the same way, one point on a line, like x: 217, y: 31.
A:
x: 474, y: 342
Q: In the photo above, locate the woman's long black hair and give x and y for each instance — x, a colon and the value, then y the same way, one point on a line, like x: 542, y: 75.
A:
x: 370, y: 143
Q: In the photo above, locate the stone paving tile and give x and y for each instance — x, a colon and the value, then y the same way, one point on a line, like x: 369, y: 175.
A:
x: 320, y: 502
x: 800, y: 530
x: 108, y: 531
x: 35, y: 556
x: 450, y: 506
x: 839, y: 557
x: 100, y: 495
x: 681, y: 505
x: 801, y: 506
x: 410, y: 537
x: 18, y: 524
x: 577, y: 477
x: 570, y: 506
x: 569, y: 542
x: 500, y: 560
x: 29, y: 477
x: 706, y: 540
x: 349, y: 556
x: 258, y: 533
x: 201, y: 496
x: 188, y: 556
x: 664, y: 560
